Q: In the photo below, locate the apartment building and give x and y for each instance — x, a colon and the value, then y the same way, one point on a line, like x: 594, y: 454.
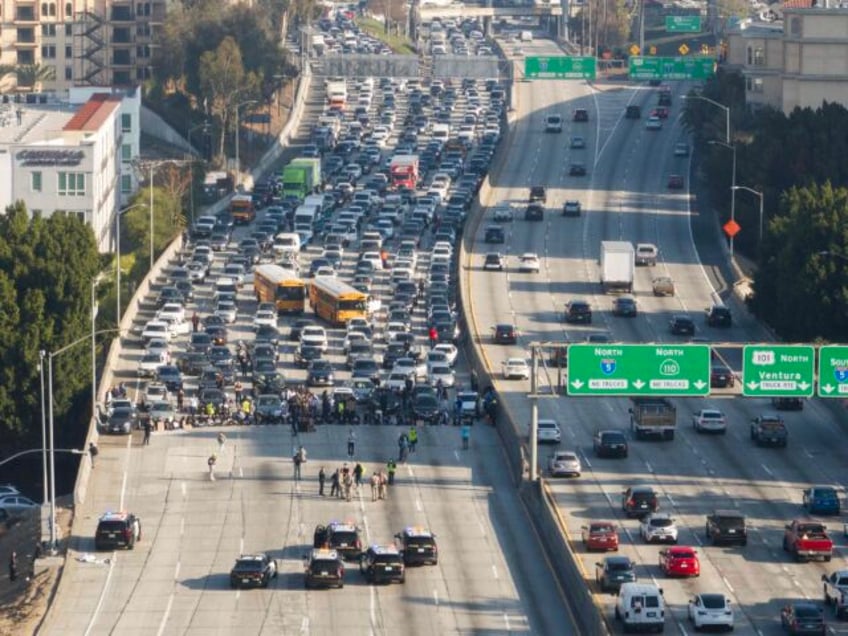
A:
x: 64, y: 161
x: 85, y: 42
x: 799, y: 61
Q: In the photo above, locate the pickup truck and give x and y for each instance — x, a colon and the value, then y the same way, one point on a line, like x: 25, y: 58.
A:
x: 652, y: 417
x: 807, y: 540
x: 836, y: 592
x: 769, y: 430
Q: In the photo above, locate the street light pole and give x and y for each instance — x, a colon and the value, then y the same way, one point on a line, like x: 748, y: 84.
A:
x: 726, y: 110
x: 151, y: 166
x: 760, y: 195
x: 41, y: 355
x: 238, y: 127
x: 733, y: 187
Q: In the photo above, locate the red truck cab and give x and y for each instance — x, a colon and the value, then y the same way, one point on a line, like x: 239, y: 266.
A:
x: 807, y: 540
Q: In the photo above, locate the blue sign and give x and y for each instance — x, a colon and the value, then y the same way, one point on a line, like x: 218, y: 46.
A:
x: 608, y: 366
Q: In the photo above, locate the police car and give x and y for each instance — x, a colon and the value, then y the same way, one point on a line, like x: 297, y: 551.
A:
x: 418, y: 546
x: 253, y: 570
x: 382, y: 564
x: 324, y: 568
x: 117, y: 530
x: 341, y: 536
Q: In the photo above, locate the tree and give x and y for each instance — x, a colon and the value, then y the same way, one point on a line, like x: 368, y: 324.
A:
x: 224, y: 83
x: 46, y: 270
x: 32, y: 75
x: 800, y: 292
x: 135, y: 225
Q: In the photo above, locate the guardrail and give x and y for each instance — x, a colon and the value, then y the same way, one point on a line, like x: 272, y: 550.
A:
x: 536, y: 496
x: 116, y: 347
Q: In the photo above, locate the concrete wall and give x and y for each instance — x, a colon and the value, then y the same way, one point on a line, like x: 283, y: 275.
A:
x: 153, y: 125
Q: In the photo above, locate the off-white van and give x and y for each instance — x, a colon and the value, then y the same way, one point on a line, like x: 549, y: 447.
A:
x: 526, y: 36
x: 640, y: 606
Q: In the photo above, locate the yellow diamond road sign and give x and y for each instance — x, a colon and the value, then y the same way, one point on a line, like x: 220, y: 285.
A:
x: 683, y: 49
x: 652, y: 50
x: 634, y: 49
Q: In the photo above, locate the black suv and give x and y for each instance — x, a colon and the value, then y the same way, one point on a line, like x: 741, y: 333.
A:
x: 418, y: 546
x: 382, y: 564
x: 324, y: 568
x: 638, y: 501
x: 719, y: 316
x: 343, y: 537
x: 253, y: 570
x: 537, y: 193
x: 581, y: 114
x: 505, y: 334
x: 681, y: 325
x: 726, y: 526
x: 534, y: 212
x: 633, y: 112
x: 578, y: 311
x: 610, y: 444
x: 494, y: 234
x: 117, y: 530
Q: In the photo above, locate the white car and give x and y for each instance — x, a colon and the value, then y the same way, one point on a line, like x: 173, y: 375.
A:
x: 226, y: 311
x: 160, y: 347
x: 265, y: 317
x: 314, y: 335
x: 654, y: 123
x: 564, y: 464
x: 441, y: 373
x: 503, y: 213
x: 410, y: 367
x: 450, y: 350
x: 358, y: 324
x: 396, y: 381
x: 394, y: 328
x: 548, y: 432
x: 172, y: 313
x: 156, y: 329
x: 711, y: 610
x: 515, y: 368
x: 709, y: 421
x: 529, y: 263
x: 658, y: 527
x: 351, y: 337
x: 149, y: 363
x: 155, y: 392
x: 435, y: 357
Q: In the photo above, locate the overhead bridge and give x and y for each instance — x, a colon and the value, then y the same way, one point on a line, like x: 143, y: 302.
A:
x: 428, y: 13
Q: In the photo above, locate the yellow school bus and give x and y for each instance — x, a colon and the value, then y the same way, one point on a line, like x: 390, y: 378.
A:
x: 335, y: 301
x: 274, y: 284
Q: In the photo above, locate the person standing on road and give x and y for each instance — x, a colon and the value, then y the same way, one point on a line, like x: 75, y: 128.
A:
x: 148, y: 427
x: 375, y: 485
x: 222, y: 439
x: 413, y: 438
x: 335, y: 490
x: 358, y: 471
x: 466, y: 436
x: 195, y: 322
x: 211, y: 463
x: 13, y: 566
x: 351, y: 444
x: 92, y: 452
x: 322, y: 477
x: 382, y: 485
x: 391, y: 467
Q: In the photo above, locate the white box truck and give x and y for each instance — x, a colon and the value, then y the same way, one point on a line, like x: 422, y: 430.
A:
x: 617, y: 266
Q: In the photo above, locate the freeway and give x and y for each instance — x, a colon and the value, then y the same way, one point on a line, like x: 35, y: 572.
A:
x: 624, y: 196
x: 493, y: 575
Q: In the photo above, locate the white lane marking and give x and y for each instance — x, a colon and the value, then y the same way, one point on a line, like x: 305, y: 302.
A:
x: 729, y: 586
x: 418, y: 505
x: 241, y: 544
x: 766, y: 468
x: 456, y: 454
x: 506, y: 621
x: 648, y: 467
x: 183, y: 489
x: 182, y: 526
x: 436, y: 597
x: 494, y: 571
x: 123, y: 490
x: 165, y: 616
x: 668, y: 495
x: 177, y: 571
x: 373, y: 610
x: 304, y: 625
x: 102, y: 598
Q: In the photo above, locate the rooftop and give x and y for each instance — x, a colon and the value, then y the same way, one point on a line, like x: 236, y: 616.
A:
x: 33, y: 123
x: 94, y: 112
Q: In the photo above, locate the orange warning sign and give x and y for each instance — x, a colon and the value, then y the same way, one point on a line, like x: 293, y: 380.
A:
x: 731, y: 228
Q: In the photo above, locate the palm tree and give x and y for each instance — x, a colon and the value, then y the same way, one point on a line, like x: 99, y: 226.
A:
x: 30, y: 76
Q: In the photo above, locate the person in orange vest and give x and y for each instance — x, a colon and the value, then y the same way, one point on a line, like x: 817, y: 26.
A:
x: 384, y: 258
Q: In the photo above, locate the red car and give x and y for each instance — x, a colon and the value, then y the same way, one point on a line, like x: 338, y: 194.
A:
x: 601, y: 536
x: 680, y: 560
x: 661, y: 112
x: 675, y: 182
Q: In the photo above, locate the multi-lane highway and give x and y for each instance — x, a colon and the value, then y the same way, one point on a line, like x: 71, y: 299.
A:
x: 492, y: 577
x: 624, y: 197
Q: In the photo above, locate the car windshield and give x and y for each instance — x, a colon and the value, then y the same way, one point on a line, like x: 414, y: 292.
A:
x: 807, y: 613
x: 687, y: 554
x: 612, y: 438
x: 249, y: 565
x: 662, y: 523
x: 619, y: 566
x: 601, y: 529
x: 822, y: 493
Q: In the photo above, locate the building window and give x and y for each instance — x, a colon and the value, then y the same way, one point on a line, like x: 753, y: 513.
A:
x: 126, y: 122
x: 759, y: 57
x: 36, y: 214
x: 126, y: 152
x: 795, y: 26
x: 142, y: 51
x: 69, y: 52
x: 81, y: 216
x: 71, y: 184
x: 69, y: 10
x: 126, y: 183
x: 26, y: 56
x: 48, y: 52
x: 69, y: 28
x: 48, y: 30
x: 754, y: 84
x: 69, y: 73
x: 35, y: 181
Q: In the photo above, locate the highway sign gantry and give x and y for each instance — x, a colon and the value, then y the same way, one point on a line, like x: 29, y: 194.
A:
x: 833, y: 371
x: 778, y: 370
x: 671, y: 68
x: 560, y: 67
x: 632, y: 370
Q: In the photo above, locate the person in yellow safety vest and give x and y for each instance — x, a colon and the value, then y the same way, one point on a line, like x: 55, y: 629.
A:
x: 413, y: 438
x: 210, y: 409
x: 245, y: 406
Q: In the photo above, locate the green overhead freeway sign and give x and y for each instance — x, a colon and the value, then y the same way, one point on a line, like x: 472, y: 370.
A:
x: 671, y: 68
x: 833, y: 371
x: 560, y: 67
x: 683, y: 23
x: 778, y: 370
x: 653, y: 370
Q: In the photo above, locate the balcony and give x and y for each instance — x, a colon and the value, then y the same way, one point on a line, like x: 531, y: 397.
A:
x: 122, y: 35
x: 24, y: 13
x: 121, y: 57
x: 122, y: 13
x: 25, y: 38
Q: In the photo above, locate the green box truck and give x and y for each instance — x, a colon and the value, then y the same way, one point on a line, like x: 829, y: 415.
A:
x: 301, y: 176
